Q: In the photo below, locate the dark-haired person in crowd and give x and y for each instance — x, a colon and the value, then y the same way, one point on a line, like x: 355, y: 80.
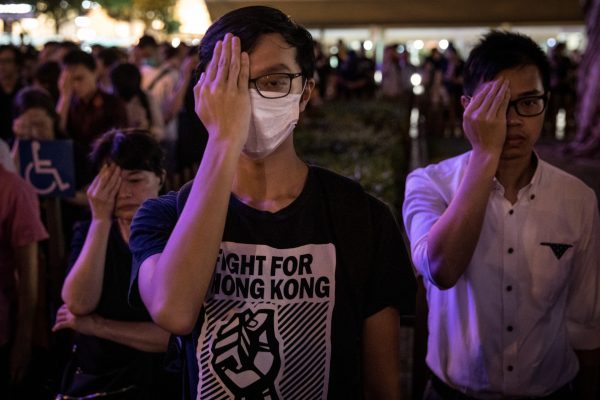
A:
x: 142, y: 108
x: 20, y: 231
x: 508, y: 245
x: 106, y: 59
x: 46, y: 77
x: 284, y: 280
x: 167, y: 84
x: 85, y: 111
x: 35, y: 116
x: 10, y: 84
x: 117, y: 350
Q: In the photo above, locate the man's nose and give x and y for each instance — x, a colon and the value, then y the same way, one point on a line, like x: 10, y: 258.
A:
x: 512, y: 117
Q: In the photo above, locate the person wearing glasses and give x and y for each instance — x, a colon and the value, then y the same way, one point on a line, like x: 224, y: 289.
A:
x: 281, y: 280
x: 508, y: 246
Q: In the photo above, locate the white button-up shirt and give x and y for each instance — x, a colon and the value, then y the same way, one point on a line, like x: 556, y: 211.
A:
x: 529, y: 296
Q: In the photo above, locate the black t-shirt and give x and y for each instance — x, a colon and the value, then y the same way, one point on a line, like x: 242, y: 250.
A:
x: 280, y: 316
x: 98, y: 363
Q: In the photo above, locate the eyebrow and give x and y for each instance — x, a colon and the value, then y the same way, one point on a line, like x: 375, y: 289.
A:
x: 534, y: 92
x: 273, y: 69
x: 134, y: 172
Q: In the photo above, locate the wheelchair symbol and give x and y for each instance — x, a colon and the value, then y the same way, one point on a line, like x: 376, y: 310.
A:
x: 43, y: 167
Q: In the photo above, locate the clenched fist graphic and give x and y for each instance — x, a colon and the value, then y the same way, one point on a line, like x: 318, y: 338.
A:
x: 246, y: 355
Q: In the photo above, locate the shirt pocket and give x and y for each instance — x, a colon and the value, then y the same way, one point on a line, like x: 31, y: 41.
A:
x: 550, y: 268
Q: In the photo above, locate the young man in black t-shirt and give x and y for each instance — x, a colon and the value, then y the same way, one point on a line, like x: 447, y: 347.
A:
x: 283, y: 280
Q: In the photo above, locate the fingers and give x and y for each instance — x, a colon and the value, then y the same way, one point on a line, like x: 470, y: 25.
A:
x: 226, y: 64
x: 114, y: 180
x: 478, y: 98
x: 62, y: 319
x: 235, y: 63
x: 211, y: 70
x: 487, y: 104
x: 103, y: 190
x: 244, y: 74
x: 491, y: 100
x: 225, y: 59
x: 93, y: 187
x: 496, y: 102
x: 503, y: 106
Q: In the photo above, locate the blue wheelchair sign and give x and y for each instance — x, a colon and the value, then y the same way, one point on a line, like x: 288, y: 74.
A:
x: 48, y: 166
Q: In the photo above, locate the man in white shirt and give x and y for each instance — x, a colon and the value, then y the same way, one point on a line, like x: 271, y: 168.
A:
x: 509, y: 246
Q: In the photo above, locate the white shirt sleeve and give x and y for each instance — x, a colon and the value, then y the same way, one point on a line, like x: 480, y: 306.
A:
x: 423, y: 206
x: 583, y: 304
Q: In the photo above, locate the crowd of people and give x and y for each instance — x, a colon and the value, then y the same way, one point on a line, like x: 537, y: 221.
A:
x: 264, y: 277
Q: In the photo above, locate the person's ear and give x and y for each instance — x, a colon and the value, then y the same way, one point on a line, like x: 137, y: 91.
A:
x: 308, y: 88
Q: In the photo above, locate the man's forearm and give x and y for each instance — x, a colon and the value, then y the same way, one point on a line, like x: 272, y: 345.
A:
x: 62, y: 109
x: 175, y: 289
x: 453, y: 238
x: 83, y: 285
x: 381, y: 355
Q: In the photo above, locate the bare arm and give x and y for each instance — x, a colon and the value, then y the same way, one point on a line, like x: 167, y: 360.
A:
x: 174, y: 103
x: 82, y: 288
x: 64, y: 99
x: 454, y: 236
x: 381, y: 355
x: 27, y: 270
x: 173, y: 284
x: 143, y: 336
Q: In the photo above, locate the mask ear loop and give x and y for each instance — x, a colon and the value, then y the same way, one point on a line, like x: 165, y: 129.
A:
x: 303, y: 88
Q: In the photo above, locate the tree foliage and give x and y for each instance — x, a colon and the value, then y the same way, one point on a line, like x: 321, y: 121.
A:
x: 118, y: 9
x: 148, y: 10
x: 59, y: 10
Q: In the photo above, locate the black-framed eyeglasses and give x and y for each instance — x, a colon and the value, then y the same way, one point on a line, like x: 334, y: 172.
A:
x: 530, y: 106
x: 274, y: 86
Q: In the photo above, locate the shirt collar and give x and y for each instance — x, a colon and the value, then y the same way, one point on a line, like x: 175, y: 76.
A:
x: 533, y: 183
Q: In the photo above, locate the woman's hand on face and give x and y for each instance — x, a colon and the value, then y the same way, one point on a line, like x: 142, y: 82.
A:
x: 65, y: 83
x: 102, y: 192
x: 222, y: 99
x: 484, y: 119
x: 21, y: 128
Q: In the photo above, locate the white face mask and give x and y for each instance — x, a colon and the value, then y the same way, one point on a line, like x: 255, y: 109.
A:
x: 272, y: 121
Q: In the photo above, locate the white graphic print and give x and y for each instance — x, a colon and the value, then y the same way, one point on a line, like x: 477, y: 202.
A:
x: 267, y: 327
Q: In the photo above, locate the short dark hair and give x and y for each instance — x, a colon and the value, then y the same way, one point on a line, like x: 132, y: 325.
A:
x: 32, y: 97
x: 169, y: 51
x: 17, y: 54
x: 133, y: 149
x: 498, y: 51
x: 110, y: 56
x: 47, y: 75
x: 79, y: 57
x: 126, y: 79
x: 249, y: 23
x: 146, y: 41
